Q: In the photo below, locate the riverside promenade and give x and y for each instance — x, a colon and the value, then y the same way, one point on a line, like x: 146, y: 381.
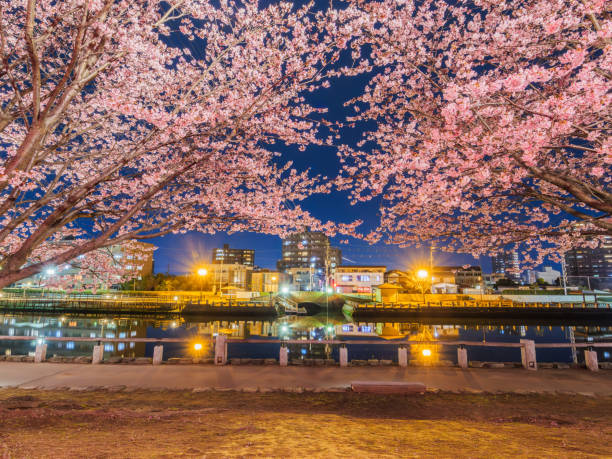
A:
x: 268, y: 378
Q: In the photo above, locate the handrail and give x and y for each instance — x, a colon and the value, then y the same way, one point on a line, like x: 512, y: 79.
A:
x: 304, y: 341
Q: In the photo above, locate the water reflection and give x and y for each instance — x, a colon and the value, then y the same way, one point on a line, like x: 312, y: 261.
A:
x: 318, y: 328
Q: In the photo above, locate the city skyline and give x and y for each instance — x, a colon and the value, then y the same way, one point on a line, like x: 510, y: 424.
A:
x: 177, y: 254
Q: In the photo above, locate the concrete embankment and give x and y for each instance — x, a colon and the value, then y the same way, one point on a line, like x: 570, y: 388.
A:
x: 267, y: 378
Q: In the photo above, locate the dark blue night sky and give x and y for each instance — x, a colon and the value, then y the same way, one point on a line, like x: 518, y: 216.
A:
x: 178, y: 253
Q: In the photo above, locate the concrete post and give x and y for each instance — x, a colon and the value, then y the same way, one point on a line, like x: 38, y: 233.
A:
x: 98, y: 354
x: 528, y: 354
x: 283, y: 357
x: 590, y: 358
x: 462, y: 358
x: 402, y: 357
x: 343, y: 356
x: 158, y: 354
x: 41, y: 353
x: 221, y: 350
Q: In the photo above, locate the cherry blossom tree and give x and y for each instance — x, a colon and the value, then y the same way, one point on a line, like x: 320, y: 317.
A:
x: 129, y: 119
x: 492, y: 119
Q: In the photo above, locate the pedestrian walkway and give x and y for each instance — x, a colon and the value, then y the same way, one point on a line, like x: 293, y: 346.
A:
x: 187, y: 377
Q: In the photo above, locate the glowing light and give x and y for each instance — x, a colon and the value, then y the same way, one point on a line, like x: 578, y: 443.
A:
x: 422, y: 274
x: 284, y: 329
x: 202, y: 272
x: 197, y: 346
x: 285, y: 289
x: 273, y: 278
x: 329, y: 290
x: 176, y: 298
x: 426, y: 352
x: 50, y: 271
x: 173, y: 324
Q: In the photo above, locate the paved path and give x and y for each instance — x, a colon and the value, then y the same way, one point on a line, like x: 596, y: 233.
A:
x: 61, y: 375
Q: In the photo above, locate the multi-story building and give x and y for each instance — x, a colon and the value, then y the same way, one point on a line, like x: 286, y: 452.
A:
x: 230, y: 275
x: 229, y: 256
x: 310, y: 257
x: 549, y: 275
x: 135, y: 256
x: 358, y: 279
x: 264, y: 280
x: 469, y: 277
x: 491, y: 279
x: 507, y: 263
x: 591, y: 267
x: 101, y: 268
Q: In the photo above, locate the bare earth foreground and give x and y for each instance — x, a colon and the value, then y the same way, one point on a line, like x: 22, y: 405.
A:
x: 99, y: 424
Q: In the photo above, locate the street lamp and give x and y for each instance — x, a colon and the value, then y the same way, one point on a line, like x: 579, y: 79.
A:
x: 422, y: 274
x: 202, y: 272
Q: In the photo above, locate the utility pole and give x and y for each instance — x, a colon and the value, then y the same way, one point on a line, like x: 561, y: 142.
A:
x: 432, y: 247
x: 564, y: 275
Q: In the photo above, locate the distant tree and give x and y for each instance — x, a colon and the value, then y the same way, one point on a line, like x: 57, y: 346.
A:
x: 505, y: 283
x: 541, y: 282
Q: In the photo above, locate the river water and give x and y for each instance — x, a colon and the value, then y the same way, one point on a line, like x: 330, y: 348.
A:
x: 294, y: 327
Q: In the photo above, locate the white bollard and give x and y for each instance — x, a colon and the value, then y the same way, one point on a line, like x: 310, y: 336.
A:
x: 283, y: 357
x: 462, y: 358
x: 528, y: 354
x: 98, y: 354
x: 158, y: 354
x: 402, y: 357
x: 590, y: 358
x: 221, y: 350
x: 343, y: 356
x: 41, y: 353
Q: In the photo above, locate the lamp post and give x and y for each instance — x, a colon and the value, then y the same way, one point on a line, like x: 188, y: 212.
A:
x: 202, y: 272
x: 422, y: 274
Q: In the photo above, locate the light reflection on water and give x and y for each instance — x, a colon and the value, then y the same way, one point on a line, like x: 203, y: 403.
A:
x: 312, y: 327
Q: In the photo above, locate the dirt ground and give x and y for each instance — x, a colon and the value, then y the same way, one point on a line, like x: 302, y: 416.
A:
x: 64, y: 424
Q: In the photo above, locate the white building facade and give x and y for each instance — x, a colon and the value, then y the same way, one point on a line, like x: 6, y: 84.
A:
x: 358, y: 279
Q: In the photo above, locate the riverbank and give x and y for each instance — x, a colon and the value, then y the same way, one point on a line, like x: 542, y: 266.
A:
x: 37, y: 424
x: 271, y: 377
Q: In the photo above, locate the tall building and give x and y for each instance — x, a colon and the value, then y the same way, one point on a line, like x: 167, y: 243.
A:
x: 310, y: 251
x: 228, y: 256
x: 590, y: 267
x: 507, y: 262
